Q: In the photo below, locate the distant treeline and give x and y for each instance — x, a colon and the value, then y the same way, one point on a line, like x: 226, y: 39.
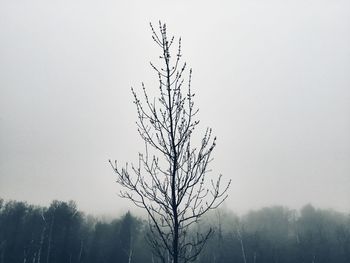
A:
x: 61, y: 233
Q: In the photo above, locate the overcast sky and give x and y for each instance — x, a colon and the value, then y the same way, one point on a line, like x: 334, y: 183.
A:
x: 272, y: 79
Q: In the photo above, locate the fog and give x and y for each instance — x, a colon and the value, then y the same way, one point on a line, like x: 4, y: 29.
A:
x: 271, y: 78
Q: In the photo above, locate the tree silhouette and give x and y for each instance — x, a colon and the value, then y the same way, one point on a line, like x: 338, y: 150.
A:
x: 170, y: 180
x: 126, y: 237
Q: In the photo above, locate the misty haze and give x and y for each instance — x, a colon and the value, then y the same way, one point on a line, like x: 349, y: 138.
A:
x: 174, y: 131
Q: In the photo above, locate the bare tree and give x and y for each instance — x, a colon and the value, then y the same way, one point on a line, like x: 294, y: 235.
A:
x: 171, y: 180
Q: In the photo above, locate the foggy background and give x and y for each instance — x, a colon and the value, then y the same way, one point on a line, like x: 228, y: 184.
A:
x: 271, y: 78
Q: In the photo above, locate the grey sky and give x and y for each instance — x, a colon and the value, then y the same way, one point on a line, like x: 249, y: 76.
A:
x: 271, y: 77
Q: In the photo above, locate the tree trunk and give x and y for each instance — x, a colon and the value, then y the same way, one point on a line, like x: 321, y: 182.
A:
x: 49, y: 241
x: 24, y: 256
x: 41, y: 243
x: 242, y: 245
x: 34, y: 257
x: 81, y: 250
x: 173, y: 166
x: 130, y: 255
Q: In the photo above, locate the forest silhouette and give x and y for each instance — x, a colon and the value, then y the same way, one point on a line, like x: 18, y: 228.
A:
x: 61, y: 233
